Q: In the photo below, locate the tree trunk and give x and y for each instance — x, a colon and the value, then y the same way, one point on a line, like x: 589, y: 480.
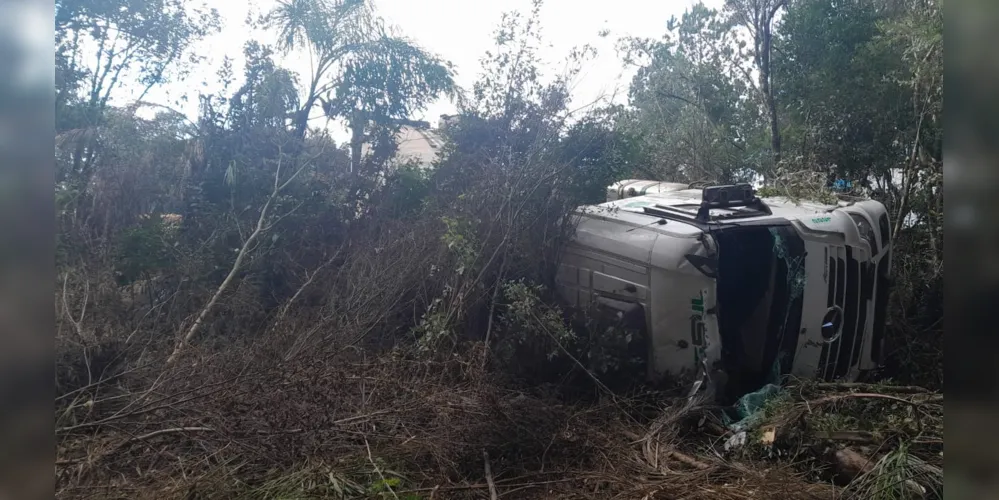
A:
x: 356, y: 141
x: 237, y: 266
x: 768, y: 92
x: 302, y: 118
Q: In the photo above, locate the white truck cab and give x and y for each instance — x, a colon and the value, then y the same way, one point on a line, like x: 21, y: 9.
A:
x: 727, y: 287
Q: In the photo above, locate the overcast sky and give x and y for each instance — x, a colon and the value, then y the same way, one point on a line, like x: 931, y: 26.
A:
x: 461, y: 31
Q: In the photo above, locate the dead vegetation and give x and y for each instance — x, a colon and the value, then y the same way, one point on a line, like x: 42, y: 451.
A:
x: 246, y: 313
x: 402, y: 424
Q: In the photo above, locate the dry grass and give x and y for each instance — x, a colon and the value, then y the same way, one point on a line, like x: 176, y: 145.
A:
x: 405, y: 425
x: 390, y: 425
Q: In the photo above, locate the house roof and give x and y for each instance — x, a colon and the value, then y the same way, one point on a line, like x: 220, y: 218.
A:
x: 420, y: 144
x: 415, y: 143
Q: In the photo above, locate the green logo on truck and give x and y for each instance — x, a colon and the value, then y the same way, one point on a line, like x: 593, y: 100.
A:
x: 697, y: 305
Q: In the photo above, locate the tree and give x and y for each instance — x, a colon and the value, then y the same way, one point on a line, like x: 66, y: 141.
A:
x: 839, y: 108
x: 100, y: 44
x: 863, y: 89
x: 359, y: 70
x: 917, y: 35
x: 690, y: 105
x: 268, y: 96
x: 599, y: 153
x: 394, y: 80
x: 514, y: 117
x: 757, y: 17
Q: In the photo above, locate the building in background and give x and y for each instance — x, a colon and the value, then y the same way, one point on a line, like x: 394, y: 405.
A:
x: 417, y: 142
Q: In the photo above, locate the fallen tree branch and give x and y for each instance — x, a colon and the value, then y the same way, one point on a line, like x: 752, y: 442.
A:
x: 689, y: 460
x: 489, y: 477
x: 852, y: 436
x: 250, y: 244
x: 849, y: 386
x: 869, y: 395
x: 479, y: 486
x: 850, y: 464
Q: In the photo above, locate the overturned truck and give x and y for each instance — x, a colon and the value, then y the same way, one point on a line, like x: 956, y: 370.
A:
x: 732, y: 289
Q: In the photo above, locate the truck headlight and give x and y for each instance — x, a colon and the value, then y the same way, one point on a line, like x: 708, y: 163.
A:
x: 866, y: 231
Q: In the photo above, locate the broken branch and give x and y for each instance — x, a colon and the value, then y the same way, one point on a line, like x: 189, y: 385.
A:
x: 489, y: 477
x: 687, y: 459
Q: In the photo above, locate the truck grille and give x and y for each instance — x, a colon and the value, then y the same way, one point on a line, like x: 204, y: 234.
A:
x: 851, y: 284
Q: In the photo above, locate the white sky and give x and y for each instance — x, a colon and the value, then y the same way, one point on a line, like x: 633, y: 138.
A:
x: 461, y: 31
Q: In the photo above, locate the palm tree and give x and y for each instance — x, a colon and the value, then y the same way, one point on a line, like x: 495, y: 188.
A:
x: 360, y: 70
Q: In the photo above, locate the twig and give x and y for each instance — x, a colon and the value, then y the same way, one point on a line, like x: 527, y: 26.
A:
x: 489, y: 477
x: 378, y: 470
x: 573, y: 358
x: 492, y: 310
x: 161, y: 432
x: 308, y: 281
x: 689, y: 460
x: 853, y: 436
x: 143, y: 437
x: 871, y: 395
x: 102, y: 380
x: 77, y: 323
x: 898, y: 389
x: 479, y: 486
x: 360, y: 417
x: 150, y: 406
x: 918, y: 406
x: 128, y: 339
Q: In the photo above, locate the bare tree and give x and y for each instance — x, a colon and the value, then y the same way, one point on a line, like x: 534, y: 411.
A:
x: 757, y: 16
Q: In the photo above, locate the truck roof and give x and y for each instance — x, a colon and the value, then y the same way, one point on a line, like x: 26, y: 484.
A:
x: 632, y: 211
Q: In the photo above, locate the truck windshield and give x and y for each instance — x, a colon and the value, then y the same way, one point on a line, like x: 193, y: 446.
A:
x: 760, y: 285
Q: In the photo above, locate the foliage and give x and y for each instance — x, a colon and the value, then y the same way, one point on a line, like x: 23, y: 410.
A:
x: 374, y: 298
x: 461, y: 242
x: 406, y: 188
x: 598, y: 154
x: 894, y: 476
x: 527, y: 320
x: 145, y: 250
x: 391, y: 83
x: 268, y: 95
x: 691, y: 111
x: 361, y: 71
x: 835, y: 91
x: 612, y: 349
x: 801, y: 185
x: 102, y: 44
